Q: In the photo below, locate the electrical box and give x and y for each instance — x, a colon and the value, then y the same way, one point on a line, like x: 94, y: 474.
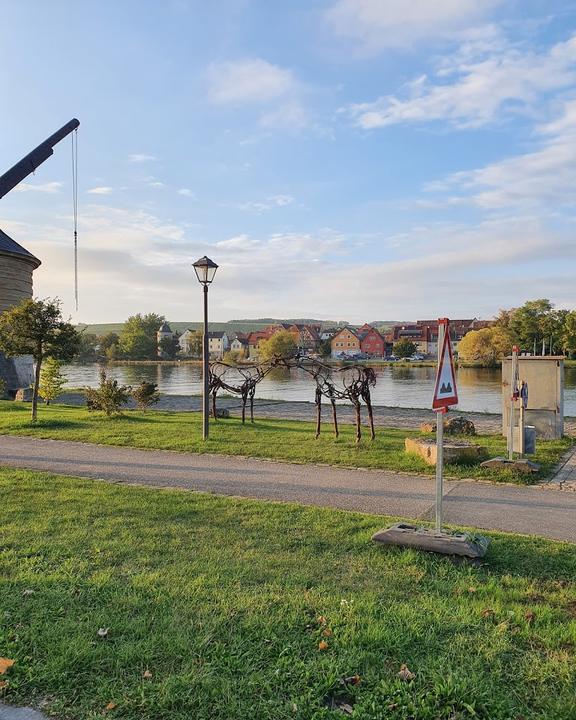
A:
x: 545, y: 408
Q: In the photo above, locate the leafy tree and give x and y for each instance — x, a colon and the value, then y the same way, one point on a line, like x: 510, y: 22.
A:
x: 87, y: 348
x: 145, y: 395
x: 530, y: 324
x: 486, y: 346
x: 51, y: 380
x: 169, y: 347
x: 108, y: 397
x: 569, y: 332
x: 325, y: 348
x: 195, y: 344
x: 36, y: 327
x: 233, y: 357
x: 108, y: 340
x: 281, y: 344
x: 138, y: 340
x: 405, y: 348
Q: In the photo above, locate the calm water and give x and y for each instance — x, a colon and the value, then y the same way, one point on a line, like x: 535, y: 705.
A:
x: 479, y: 389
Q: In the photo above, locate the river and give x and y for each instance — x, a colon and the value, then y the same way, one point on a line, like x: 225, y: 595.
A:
x: 479, y: 388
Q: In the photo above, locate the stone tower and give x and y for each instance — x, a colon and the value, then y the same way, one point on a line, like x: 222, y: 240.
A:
x: 16, y: 268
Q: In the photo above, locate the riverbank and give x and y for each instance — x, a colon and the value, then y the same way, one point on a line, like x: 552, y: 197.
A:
x: 267, y: 438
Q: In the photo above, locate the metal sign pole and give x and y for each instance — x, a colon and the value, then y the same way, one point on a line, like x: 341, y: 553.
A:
x: 439, y: 440
x: 513, y: 390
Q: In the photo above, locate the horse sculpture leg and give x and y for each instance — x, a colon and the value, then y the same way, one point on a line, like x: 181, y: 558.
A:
x: 214, y: 415
x: 318, y: 411
x: 334, y: 418
x: 371, y: 418
x: 252, y: 393
x: 244, y: 399
x: 358, y: 427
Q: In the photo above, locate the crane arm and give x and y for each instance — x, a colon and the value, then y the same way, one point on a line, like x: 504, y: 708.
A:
x: 28, y: 164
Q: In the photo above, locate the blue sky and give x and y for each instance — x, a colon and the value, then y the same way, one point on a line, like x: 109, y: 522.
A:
x: 359, y: 159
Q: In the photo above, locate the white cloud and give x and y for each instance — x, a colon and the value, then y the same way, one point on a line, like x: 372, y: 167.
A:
x: 49, y: 187
x: 104, y: 190
x: 290, y: 115
x: 379, y: 24
x: 479, y: 89
x: 131, y: 261
x: 156, y: 184
x: 250, y: 80
x: 271, y: 202
x: 543, y: 177
x: 140, y: 158
x: 186, y: 192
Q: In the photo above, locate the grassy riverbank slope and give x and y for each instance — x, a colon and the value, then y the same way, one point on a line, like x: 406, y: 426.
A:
x: 226, y: 609
x: 289, y: 440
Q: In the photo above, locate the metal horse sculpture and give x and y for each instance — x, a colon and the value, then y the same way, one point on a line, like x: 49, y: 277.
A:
x: 355, y: 383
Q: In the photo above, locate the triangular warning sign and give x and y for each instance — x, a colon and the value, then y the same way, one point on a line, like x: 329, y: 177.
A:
x: 445, y: 392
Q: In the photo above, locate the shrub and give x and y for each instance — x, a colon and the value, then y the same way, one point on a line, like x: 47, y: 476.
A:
x: 108, y: 397
x: 52, y: 382
x: 145, y: 394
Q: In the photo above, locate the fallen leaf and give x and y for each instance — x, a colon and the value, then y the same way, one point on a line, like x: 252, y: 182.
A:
x: 471, y: 589
x: 321, y: 620
x: 530, y: 616
x: 487, y: 612
x: 27, y: 593
x: 103, y: 632
x: 5, y: 663
x: 111, y: 706
x: 294, y: 707
x: 405, y: 674
x: 327, y: 632
x: 147, y: 674
x: 352, y: 680
x: 322, y: 645
x: 3, y: 684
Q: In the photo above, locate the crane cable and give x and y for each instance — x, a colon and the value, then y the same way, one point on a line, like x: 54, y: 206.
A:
x: 75, y: 209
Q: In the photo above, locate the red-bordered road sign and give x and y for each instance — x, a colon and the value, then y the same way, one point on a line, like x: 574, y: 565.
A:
x: 445, y: 391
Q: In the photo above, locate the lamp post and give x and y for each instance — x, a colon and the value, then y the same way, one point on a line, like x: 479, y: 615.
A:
x: 205, y: 270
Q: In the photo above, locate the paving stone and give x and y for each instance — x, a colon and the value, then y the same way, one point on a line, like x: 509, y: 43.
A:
x: 9, y: 712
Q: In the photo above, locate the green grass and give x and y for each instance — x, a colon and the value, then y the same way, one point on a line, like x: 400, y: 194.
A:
x: 219, y: 599
x: 289, y: 440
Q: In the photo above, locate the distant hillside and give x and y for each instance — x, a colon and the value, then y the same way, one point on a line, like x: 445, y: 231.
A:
x: 230, y: 327
x: 389, y: 323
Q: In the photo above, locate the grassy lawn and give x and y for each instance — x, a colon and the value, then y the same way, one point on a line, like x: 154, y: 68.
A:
x: 216, y: 609
x: 279, y: 439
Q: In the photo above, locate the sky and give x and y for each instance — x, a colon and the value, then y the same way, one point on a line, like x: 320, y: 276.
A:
x: 339, y: 159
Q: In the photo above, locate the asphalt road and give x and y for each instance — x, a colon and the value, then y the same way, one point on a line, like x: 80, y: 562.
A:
x: 529, y: 510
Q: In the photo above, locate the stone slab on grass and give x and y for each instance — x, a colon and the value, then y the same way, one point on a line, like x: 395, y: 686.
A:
x: 8, y: 712
x: 454, y: 451
x: 406, y: 535
x: 520, y: 465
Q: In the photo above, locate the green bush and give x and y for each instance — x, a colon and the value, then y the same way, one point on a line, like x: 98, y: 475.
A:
x: 145, y: 395
x: 108, y: 397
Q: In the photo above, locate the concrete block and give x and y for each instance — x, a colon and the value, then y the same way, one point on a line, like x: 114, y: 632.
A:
x: 454, y: 451
x: 405, y: 535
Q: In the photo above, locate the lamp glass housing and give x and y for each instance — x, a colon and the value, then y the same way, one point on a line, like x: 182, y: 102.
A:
x: 205, y: 270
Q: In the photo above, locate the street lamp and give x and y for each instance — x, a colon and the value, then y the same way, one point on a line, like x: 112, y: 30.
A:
x: 205, y: 270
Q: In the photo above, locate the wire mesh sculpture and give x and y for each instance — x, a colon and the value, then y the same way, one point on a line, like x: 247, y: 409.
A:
x: 334, y: 383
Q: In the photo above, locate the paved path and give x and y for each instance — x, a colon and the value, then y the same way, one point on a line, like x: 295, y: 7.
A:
x: 9, y: 712
x: 530, y: 510
x: 565, y: 476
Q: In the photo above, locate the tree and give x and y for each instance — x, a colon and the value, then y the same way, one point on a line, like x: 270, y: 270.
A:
x: 281, y: 344
x: 569, y: 332
x: 51, y: 380
x: 169, y: 347
x: 108, y: 396
x: 325, y: 349
x: 486, y: 346
x: 36, y: 327
x: 233, y: 357
x: 405, y: 348
x: 138, y: 340
x: 87, y: 347
x: 108, y: 340
x: 529, y: 324
x: 145, y: 394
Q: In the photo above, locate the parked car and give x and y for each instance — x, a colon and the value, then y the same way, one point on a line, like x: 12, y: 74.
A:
x: 417, y: 356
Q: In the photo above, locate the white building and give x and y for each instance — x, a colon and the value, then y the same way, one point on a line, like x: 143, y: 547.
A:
x: 218, y: 344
